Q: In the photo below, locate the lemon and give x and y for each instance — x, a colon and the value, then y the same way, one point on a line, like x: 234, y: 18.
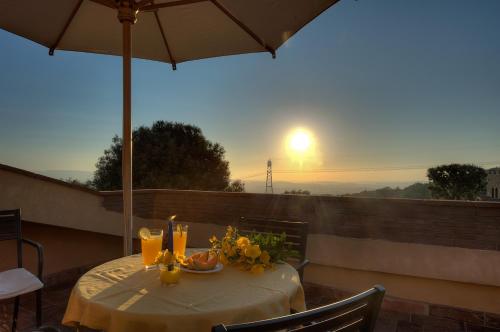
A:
x: 144, y: 233
x: 170, y: 277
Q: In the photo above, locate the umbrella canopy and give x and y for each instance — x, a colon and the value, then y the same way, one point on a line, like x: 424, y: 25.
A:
x: 171, y: 31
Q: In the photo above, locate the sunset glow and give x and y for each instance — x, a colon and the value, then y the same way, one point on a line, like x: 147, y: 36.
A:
x: 300, y: 140
x: 301, y: 146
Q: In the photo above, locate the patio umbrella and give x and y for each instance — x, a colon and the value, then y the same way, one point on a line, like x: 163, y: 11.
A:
x: 171, y: 31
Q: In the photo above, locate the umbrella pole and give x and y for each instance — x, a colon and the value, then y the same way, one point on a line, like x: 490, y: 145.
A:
x: 127, y: 18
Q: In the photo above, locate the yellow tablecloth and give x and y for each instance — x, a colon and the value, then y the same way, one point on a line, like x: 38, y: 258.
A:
x: 121, y: 296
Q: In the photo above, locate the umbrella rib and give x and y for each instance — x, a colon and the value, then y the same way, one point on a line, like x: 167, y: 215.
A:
x: 68, y: 22
x: 169, y: 4
x: 245, y: 28
x: 174, y: 65
x: 143, y: 3
x: 107, y: 3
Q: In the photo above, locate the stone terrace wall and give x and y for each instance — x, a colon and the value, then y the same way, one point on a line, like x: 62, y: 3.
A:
x: 474, y: 225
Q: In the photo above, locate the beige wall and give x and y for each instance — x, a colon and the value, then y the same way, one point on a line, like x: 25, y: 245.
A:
x: 428, y: 261
x: 455, y: 294
x: 58, y: 204
x: 64, y: 248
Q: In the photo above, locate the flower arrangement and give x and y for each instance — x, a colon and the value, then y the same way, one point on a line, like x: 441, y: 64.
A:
x: 167, y: 258
x: 255, y: 252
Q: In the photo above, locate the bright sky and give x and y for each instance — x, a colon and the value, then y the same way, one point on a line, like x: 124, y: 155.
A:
x: 376, y: 84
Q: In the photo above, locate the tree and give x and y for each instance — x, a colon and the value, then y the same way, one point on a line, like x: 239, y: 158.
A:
x: 86, y: 184
x: 297, y: 192
x: 237, y: 186
x: 166, y: 155
x: 417, y: 190
x: 457, y: 181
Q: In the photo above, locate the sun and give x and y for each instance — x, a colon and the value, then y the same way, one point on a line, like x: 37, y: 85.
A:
x: 300, y: 140
x: 302, y: 148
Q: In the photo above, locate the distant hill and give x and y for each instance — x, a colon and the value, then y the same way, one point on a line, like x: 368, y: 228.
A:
x: 416, y: 190
x: 320, y: 188
x: 373, y: 189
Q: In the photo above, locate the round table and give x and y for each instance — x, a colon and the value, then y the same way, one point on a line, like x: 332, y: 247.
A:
x: 121, y: 296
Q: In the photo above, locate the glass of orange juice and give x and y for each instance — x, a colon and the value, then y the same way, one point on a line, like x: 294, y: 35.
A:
x: 180, y: 239
x: 151, y: 240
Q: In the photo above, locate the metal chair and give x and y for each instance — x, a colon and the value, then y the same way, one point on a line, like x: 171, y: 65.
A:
x: 357, y: 313
x: 296, y: 233
x: 18, y: 281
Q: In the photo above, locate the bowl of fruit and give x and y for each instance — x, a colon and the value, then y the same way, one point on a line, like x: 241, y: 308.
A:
x: 202, y: 262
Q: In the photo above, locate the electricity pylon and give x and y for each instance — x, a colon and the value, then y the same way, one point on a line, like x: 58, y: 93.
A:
x: 269, y: 177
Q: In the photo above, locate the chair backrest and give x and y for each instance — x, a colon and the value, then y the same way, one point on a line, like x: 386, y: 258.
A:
x: 10, y: 229
x: 296, y: 231
x: 357, y: 313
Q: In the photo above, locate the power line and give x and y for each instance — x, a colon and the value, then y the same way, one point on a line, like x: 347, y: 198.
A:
x: 372, y: 169
x: 360, y: 169
x: 253, y: 175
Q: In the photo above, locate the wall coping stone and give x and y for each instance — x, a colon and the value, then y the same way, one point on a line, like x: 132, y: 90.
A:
x: 46, y: 179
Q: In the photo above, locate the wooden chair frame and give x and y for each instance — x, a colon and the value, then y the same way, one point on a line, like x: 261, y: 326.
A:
x: 357, y: 313
x: 297, y: 232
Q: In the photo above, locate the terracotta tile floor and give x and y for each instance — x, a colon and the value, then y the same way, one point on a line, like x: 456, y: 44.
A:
x: 53, y: 307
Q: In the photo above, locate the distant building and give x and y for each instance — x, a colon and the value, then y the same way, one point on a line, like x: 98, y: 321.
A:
x: 493, y: 186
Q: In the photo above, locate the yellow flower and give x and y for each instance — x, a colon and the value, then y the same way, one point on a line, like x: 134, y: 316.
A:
x: 231, y: 251
x: 179, y: 258
x: 227, y: 249
x: 264, y: 257
x: 252, y: 251
x: 168, y: 258
x: 213, y: 239
x: 243, y: 242
x: 257, y: 269
x: 165, y: 257
x: 159, y: 258
x: 223, y: 259
x: 242, y: 259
